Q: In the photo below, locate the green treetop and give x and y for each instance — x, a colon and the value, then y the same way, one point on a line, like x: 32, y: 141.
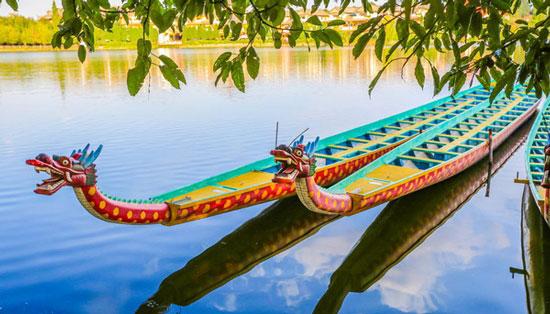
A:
x: 482, y: 36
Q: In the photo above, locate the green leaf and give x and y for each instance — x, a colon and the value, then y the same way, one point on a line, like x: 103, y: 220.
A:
x: 429, y: 18
x: 56, y: 40
x: 168, y: 61
x: 162, y: 20
x: 367, y: 7
x: 321, y: 36
x: 236, y: 30
x: 418, y: 29
x: 493, y: 29
x: 336, y: 23
x: 435, y: 76
x: 169, y: 75
x: 276, y: 39
x: 476, y: 24
x: 360, y: 45
x: 237, y: 75
x: 81, y: 53
x: 402, y: 29
x: 407, y: 7
x: 252, y: 63
x: 68, y: 9
x: 314, y: 20
x: 134, y: 79
x: 220, y: 61
x: 360, y: 29
x: 12, y: 4
x: 497, y: 89
x: 419, y: 73
x: 144, y: 47
x: 460, y: 79
x: 375, y: 79
x: 334, y: 36
x: 379, y: 45
x: 68, y: 42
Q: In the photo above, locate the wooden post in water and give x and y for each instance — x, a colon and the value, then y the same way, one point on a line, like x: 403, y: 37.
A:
x: 490, y: 170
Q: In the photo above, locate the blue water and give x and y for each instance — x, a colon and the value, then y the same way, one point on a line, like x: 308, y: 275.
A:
x: 57, y: 258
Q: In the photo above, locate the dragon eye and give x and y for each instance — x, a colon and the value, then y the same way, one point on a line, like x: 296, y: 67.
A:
x: 64, y: 161
x: 298, y: 152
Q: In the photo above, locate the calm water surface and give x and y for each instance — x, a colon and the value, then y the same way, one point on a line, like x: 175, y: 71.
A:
x: 438, y: 251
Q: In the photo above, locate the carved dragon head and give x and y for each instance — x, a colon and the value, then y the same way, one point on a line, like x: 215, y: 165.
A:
x: 296, y: 160
x: 75, y: 170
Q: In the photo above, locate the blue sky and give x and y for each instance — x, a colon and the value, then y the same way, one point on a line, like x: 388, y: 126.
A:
x: 31, y: 8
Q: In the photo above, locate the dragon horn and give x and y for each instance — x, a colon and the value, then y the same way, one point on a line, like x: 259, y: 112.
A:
x: 93, y: 155
x: 88, y: 159
x: 84, y: 152
x: 97, y: 152
x: 315, y: 143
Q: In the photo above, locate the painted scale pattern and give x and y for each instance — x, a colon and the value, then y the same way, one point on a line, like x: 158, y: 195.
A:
x: 435, y: 175
x: 107, y: 209
x: 272, y: 191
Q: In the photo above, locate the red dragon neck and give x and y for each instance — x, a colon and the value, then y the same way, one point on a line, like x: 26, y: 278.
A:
x: 319, y: 200
x: 121, y: 211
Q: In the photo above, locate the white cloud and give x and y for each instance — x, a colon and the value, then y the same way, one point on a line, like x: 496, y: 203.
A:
x: 229, y: 303
x: 290, y: 291
x: 324, y: 254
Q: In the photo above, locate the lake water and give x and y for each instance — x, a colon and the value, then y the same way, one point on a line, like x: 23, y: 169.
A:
x: 447, y: 252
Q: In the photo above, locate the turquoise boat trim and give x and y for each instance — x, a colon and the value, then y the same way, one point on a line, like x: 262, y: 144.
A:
x: 340, y: 187
x: 478, y: 93
x: 536, y: 152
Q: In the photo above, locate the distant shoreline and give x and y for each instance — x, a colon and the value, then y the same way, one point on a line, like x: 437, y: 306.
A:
x: 48, y: 48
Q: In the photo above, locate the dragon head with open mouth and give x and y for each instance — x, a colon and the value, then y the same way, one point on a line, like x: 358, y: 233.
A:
x: 296, y: 160
x: 75, y: 170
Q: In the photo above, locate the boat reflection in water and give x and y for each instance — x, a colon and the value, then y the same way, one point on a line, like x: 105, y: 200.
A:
x: 536, y: 256
x: 276, y: 229
x: 405, y: 223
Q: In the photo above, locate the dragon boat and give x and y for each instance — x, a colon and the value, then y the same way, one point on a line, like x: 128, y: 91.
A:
x: 337, y: 156
x: 431, y: 157
x: 404, y: 224
x: 538, y: 161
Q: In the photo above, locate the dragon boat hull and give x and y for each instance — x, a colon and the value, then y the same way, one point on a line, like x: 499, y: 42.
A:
x: 535, y: 160
x: 432, y: 157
